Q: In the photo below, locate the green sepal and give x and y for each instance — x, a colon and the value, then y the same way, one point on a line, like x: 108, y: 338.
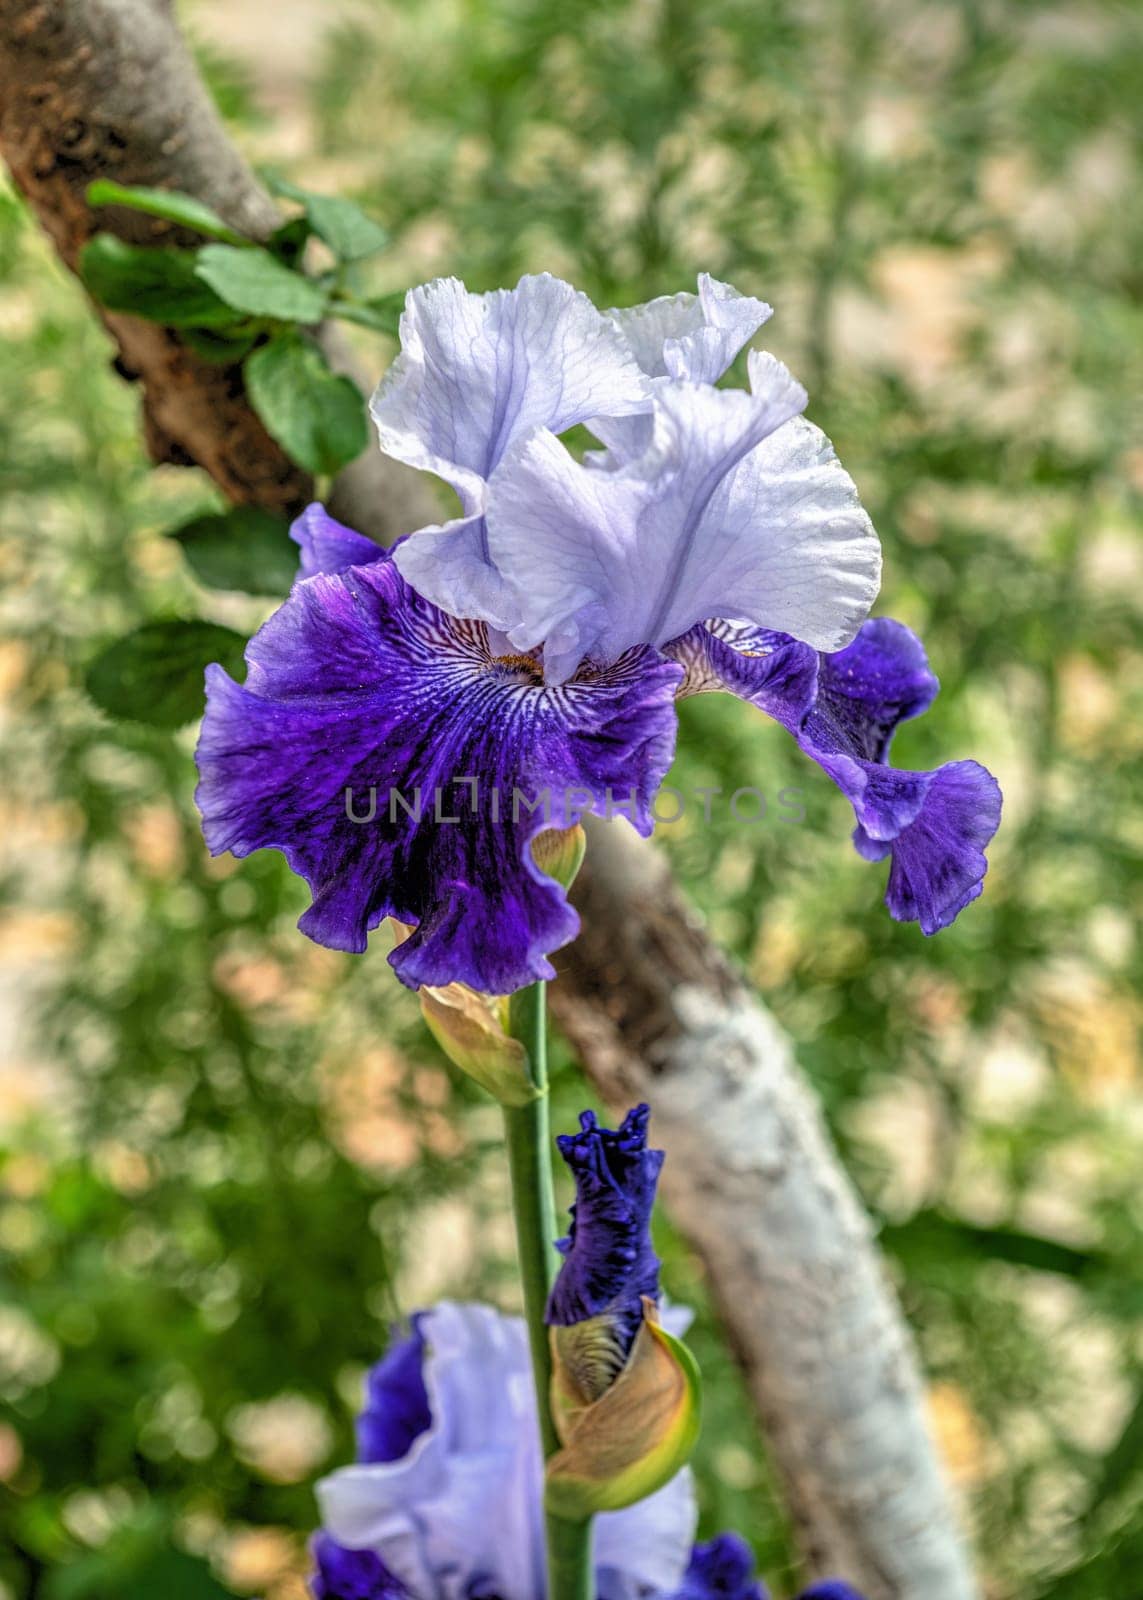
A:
x: 635, y: 1437
x: 472, y: 1030
x: 559, y: 853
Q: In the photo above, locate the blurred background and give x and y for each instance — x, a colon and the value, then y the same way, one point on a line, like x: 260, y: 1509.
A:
x: 228, y: 1158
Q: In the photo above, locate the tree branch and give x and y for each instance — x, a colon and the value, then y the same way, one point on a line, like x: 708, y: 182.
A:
x: 92, y: 88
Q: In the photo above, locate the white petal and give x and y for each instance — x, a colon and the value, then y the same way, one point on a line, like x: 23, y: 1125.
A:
x: 689, y: 336
x: 647, y: 1546
x: 710, y: 521
x: 449, y: 565
x: 477, y: 370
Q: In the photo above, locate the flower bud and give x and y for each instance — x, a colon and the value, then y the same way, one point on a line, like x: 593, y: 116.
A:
x: 559, y: 853
x: 632, y: 1440
x: 625, y: 1393
x: 472, y: 1030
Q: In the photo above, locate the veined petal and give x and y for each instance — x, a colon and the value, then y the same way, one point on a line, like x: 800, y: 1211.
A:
x: 329, y: 546
x: 774, y: 672
x: 681, y: 336
x: 477, y: 370
x: 357, y: 684
x: 843, y: 710
x: 735, y: 510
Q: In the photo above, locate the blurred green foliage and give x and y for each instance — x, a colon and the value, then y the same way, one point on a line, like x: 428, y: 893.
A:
x: 233, y: 1158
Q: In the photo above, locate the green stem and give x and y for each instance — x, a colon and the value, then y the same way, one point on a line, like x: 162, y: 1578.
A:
x: 533, y: 1202
x: 529, y: 1139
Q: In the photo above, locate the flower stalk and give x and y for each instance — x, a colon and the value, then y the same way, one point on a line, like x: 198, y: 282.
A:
x: 529, y: 1140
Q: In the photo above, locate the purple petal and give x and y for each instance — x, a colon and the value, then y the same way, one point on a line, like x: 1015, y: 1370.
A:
x: 397, y: 1402
x: 356, y: 683
x: 477, y: 370
x: 721, y: 1570
x: 934, y: 825
x: 830, y: 1589
x: 329, y: 546
x: 463, y: 1506
x: 609, y: 1262
x: 351, y: 1574
x: 728, y: 513
x: 938, y: 863
x: 774, y: 672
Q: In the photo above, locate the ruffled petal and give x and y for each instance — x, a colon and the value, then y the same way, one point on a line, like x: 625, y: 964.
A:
x: 477, y: 370
x: 938, y: 860
x: 609, y: 1262
x: 738, y: 509
x: 681, y: 336
x: 462, y: 1509
x: 843, y: 710
x: 357, y: 684
x: 329, y: 546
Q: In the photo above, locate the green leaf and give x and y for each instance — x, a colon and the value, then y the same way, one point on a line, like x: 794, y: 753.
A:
x: 245, y: 548
x: 350, y: 232
x: 258, y: 283
x: 154, y: 674
x: 166, y: 203
x: 383, y: 314
x: 161, y: 285
x: 317, y: 417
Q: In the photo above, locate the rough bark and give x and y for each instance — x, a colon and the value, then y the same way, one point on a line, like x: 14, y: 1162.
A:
x: 93, y: 88
x: 106, y: 89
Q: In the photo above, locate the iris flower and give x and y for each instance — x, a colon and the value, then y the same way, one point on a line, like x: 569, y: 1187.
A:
x: 445, y: 1499
x: 446, y: 1494
x: 412, y: 719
